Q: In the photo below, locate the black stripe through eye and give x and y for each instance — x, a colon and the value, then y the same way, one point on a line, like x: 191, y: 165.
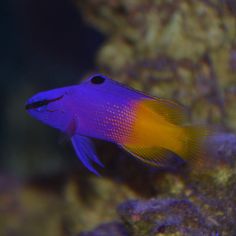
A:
x: 41, y: 103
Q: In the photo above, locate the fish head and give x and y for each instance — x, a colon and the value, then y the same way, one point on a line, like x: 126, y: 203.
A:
x: 51, y: 107
x: 60, y: 107
x: 81, y: 108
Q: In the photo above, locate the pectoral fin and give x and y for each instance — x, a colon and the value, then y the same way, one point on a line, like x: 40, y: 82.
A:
x: 85, y: 151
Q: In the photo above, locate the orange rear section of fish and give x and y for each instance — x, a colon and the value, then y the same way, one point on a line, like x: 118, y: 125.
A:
x: 159, y: 128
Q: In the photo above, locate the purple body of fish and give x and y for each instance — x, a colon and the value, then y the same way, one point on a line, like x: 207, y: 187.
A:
x: 97, y: 108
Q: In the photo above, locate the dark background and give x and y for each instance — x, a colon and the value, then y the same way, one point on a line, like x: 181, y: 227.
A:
x: 43, y: 45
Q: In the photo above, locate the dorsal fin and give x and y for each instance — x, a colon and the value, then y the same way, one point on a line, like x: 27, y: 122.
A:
x: 171, y: 111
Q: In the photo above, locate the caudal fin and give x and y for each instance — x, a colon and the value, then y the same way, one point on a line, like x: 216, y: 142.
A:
x: 194, y: 145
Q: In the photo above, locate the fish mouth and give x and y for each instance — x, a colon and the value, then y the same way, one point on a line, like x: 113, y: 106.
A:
x: 35, y: 105
x: 41, y: 103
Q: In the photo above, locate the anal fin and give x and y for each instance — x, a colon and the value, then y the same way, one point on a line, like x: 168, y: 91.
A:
x: 155, y: 156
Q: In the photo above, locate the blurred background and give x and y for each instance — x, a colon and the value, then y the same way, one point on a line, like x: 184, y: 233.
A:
x: 44, y: 45
x: 182, y: 50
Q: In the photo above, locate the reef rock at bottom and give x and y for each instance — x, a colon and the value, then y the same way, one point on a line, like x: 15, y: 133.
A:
x: 186, y: 204
x: 157, y: 217
x: 164, y: 217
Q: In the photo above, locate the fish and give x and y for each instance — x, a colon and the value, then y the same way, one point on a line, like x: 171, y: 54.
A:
x: 149, y: 128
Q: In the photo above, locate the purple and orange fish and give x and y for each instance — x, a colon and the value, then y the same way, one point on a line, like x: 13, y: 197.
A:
x: 149, y: 128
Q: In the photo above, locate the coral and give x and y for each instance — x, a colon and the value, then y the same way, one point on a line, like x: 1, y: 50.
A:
x: 163, y: 216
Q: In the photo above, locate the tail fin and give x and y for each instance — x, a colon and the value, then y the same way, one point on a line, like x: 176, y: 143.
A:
x: 194, y: 145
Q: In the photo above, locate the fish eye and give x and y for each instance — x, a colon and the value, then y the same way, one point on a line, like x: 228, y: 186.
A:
x: 97, y: 79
